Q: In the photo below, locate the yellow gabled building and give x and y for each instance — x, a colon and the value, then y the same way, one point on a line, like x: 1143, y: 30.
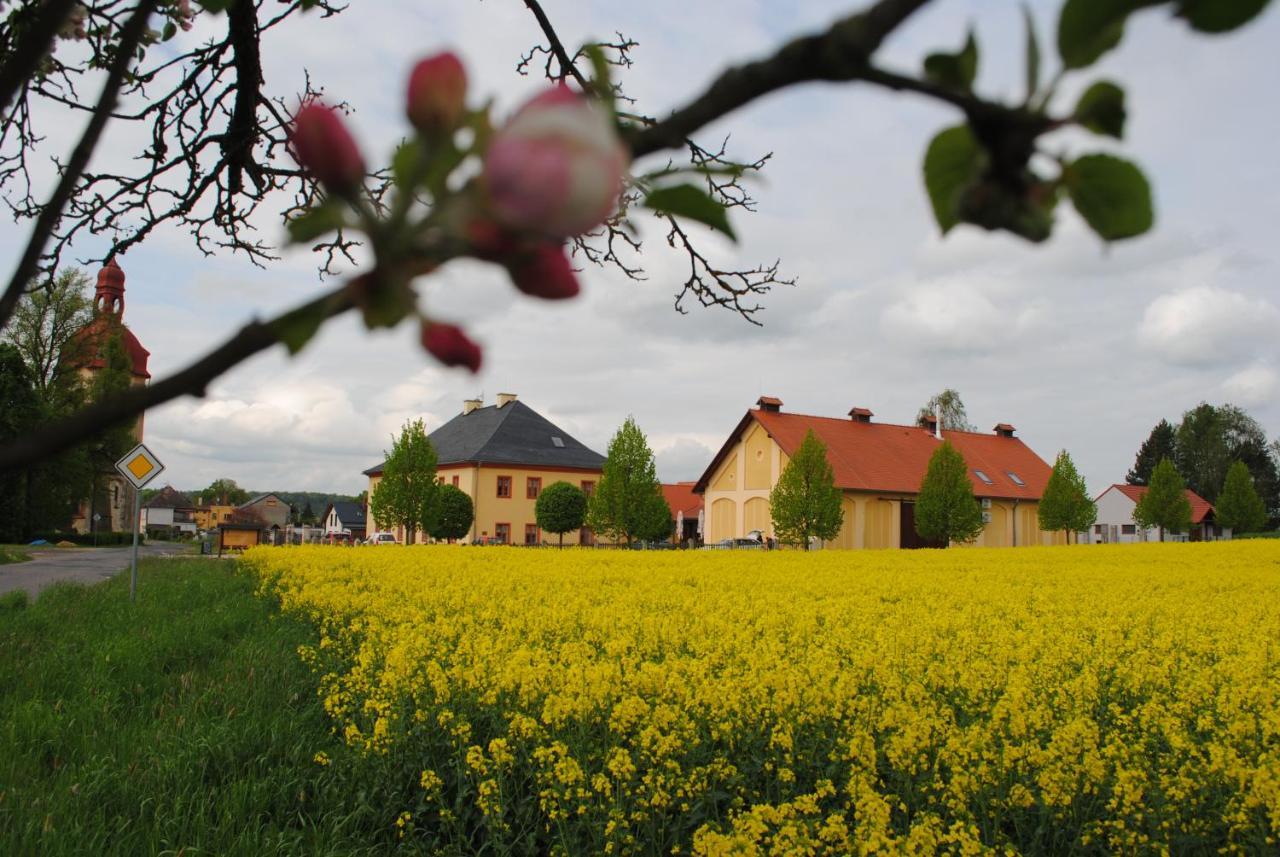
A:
x: 879, y: 468
x: 502, y: 456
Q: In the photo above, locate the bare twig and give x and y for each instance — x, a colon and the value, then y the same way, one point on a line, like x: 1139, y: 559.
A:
x: 130, y: 36
x: 31, y: 47
x: 192, y: 381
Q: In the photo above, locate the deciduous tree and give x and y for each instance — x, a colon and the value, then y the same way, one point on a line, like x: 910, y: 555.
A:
x: 622, y: 507
x: 43, y: 329
x: 1065, y: 504
x: 406, y: 494
x: 1164, y: 504
x: 561, y: 508
x: 224, y: 492
x: 805, y: 502
x: 947, y: 402
x: 1239, y: 507
x: 946, y: 510
x: 454, y: 514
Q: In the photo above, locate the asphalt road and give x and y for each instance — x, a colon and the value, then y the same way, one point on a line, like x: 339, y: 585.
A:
x: 79, y: 565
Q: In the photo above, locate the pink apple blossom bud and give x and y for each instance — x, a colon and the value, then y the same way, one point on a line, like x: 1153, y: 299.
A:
x: 557, y: 167
x: 437, y: 94
x: 448, y: 344
x: 544, y: 272
x: 322, y: 145
x: 490, y: 240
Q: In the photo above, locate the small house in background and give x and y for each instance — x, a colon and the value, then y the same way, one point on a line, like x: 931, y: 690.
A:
x: 1115, y: 519
x: 208, y: 517
x: 273, y: 511
x: 169, y: 514
x: 685, y: 509
x: 345, y: 517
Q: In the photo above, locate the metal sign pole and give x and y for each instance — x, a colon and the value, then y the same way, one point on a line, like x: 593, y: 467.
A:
x: 133, y: 566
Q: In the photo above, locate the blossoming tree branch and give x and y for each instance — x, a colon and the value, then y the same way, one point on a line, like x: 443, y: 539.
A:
x: 559, y: 175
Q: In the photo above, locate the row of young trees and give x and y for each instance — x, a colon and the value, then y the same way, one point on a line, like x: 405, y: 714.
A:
x: 806, y: 504
x: 627, y: 504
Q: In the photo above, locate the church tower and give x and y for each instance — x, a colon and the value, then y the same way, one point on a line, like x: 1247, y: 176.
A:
x: 89, y: 353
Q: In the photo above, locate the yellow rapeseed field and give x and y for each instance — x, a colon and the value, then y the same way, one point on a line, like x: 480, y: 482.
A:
x: 1087, y: 699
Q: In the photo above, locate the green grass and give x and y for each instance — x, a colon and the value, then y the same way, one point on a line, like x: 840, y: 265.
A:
x: 10, y: 553
x: 184, y: 723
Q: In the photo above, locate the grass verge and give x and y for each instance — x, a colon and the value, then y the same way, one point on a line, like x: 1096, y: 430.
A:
x: 9, y: 553
x: 184, y: 723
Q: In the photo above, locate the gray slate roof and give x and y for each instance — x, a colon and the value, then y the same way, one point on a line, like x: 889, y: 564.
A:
x: 513, y: 434
x: 349, y: 513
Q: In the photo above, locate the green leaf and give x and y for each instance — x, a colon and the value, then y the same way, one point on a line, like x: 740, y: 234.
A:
x: 310, y: 225
x: 953, y: 161
x: 1220, y: 16
x: 170, y: 30
x: 295, y: 329
x: 600, y: 76
x: 1033, y: 54
x: 1101, y: 109
x: 1111, y: 194
x: 1087, y: 29
x: 956, y: 70
x: 405, y: 162
x: 686, y: 200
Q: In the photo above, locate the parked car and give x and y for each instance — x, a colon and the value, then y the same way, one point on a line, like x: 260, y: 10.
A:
x: 342, y: 538
x: 382, y: 539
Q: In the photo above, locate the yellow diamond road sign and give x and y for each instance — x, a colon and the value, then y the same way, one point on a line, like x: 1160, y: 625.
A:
x: 139, y: 466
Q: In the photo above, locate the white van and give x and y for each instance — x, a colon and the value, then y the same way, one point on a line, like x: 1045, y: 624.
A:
x: 382, y: 539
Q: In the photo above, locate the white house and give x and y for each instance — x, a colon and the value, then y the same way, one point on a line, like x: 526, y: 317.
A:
x: 1115, y: 519
x: 169, y: 512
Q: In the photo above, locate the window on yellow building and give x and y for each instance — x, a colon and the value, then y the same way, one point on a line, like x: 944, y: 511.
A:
x: 504, y: 486
x: 502, y: 532
x: 588, y: 487
x: 533, y: 487
x: 531, y: 534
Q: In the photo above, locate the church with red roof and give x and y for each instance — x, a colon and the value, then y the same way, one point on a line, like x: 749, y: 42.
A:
x: 87, y: 352
x: 879, y: 468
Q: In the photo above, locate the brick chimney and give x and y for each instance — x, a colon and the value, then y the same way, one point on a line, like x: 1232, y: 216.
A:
x: 861, y: 415
x: 505, y: 399
x: 470, y: 405
x: 769, y: 403
x: 1004, y: 430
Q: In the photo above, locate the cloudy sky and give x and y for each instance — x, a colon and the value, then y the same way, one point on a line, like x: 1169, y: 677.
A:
x: 1079, y: 345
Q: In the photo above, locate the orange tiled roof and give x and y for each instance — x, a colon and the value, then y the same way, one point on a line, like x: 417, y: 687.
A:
x: 893, y: 458
x: 680, y: 497
x: 1199, y: 506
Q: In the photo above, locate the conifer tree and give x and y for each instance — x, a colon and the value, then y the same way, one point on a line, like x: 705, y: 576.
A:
x: 1065, y: 504
x: 1161, y: 443
x: 946, y: 510
x: 1239, y: 507
x: 1165, y: 504
x: 806, y: 502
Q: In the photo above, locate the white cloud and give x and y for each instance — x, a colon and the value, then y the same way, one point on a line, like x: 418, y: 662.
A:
x: 1252, y: 386
x: 1208, y: 326
x: 958, y: 317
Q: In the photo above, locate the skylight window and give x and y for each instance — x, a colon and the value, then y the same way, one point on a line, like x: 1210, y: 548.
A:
x: 557, y: 442
x: 1017, y: 480
x: 984, y: 477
